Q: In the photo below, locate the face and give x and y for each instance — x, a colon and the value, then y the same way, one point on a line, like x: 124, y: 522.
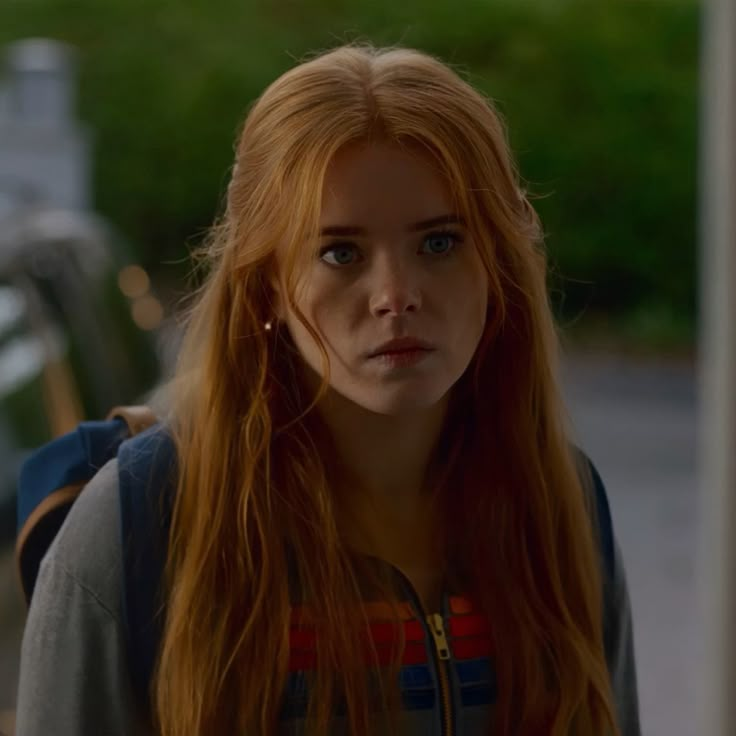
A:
x: 396, y: 289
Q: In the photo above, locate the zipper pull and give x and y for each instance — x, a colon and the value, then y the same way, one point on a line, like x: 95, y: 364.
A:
x: 437, y: 627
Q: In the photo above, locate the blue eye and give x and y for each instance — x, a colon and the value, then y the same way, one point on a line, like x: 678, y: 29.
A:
x: 340, y: 254
x: 439, y: 244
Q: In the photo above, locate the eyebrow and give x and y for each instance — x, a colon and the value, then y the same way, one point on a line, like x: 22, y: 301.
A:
x: 343, y: 230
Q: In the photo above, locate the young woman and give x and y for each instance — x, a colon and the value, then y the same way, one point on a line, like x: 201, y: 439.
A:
x: 380, y: 523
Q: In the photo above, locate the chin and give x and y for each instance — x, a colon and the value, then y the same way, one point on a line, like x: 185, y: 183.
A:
x: 396, y: 403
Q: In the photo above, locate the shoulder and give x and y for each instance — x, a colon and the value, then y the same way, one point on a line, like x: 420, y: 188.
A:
x: 74, y: 645
x: 88, y: 546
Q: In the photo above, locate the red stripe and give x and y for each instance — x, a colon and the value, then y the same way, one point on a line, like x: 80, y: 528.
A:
x: 383, y: 656
x: 299, y: 660
x: 300, y: 638
x: 472, y: 647
x: 471, y: 625
x: 414, y: 653
x: 413, y: 631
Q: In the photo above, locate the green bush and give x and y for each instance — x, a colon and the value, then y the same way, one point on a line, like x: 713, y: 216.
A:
x: 600, y: 99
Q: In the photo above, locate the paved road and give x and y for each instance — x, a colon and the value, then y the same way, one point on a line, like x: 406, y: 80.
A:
x: 637, y: 421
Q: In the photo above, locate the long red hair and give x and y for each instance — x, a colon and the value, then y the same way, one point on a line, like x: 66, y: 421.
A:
x: 254, y: 513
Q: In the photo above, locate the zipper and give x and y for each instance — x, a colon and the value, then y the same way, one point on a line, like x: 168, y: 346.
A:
x: 441, y: 651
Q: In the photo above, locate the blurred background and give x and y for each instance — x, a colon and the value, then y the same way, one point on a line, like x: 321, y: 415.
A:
x: 117, y: 122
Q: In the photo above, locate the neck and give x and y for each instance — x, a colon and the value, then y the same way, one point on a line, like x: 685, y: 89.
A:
x: 383, y: 457
x: 386, y: 506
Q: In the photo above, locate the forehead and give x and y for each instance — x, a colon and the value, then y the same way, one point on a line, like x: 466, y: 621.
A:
x: 383, y: 185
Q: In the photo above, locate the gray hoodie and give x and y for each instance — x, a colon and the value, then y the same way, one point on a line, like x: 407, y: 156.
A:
x: 74, y: 679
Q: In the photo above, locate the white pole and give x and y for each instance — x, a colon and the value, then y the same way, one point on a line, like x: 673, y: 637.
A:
x: 717, y: 437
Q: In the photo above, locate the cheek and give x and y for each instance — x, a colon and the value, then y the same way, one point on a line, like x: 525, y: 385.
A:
x: 327, y: 311
x: 476, y: 325
x: 479, y: 289
x: 470, y: 333
x: 482, y: 306
x: 469, y: 302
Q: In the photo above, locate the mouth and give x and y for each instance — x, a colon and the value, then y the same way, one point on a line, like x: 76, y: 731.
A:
x: 402, y: 346
x: 402, y: 352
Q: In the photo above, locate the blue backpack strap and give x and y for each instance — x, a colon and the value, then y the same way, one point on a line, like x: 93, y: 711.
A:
x: 601, y: 512
x: 50, y: 480
x: 604, y: 522
x: 147, y: 478
x: 612, y: 578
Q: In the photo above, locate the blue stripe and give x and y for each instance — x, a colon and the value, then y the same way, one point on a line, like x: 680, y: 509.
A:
x: 417, y: 692
x: 417, y: 675
x: 410, y: 678
x: 478, y: 685
x: 478, y: 695
x: 418, y: 699
x: 417, y: 687
x: 414, y: 700
x: 474, y: 671
x: 296, y: 684
x: 293, y: 708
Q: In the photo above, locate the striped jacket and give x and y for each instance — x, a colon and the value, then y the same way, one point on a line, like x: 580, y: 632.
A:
x: 92, y: 632
x: 447, y: 679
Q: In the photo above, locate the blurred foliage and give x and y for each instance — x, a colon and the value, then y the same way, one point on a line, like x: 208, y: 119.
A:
x: 25, y: 412
x: 114, y: 362
x: 600, y: 99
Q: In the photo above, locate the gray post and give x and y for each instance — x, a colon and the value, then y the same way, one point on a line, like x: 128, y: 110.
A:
x: 43, y: 87
x: 44, y: 150
x: 717, y: 451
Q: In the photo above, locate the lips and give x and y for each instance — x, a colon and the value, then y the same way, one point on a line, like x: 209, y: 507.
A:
x: 401, y: 345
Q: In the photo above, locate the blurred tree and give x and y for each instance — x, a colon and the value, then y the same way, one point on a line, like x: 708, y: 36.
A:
x: 600, y: 99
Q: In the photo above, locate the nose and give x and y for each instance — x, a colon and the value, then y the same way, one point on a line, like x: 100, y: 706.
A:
x: 395, y: 290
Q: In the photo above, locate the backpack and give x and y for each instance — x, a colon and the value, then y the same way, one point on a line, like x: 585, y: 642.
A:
x: 53, y: 476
